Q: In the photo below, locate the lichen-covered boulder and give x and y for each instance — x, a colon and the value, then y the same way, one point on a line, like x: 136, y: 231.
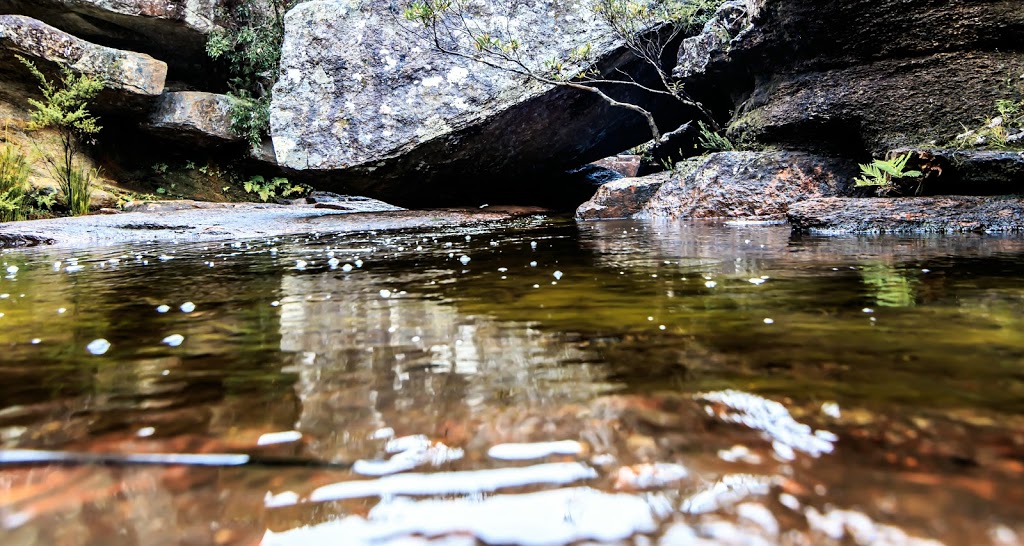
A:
x: 194, y: 116
x: 362, y: 99
x: 127, y: 72
x: 747, y: 185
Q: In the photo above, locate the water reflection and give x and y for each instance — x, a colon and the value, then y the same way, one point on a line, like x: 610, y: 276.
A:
x: 546, y: 383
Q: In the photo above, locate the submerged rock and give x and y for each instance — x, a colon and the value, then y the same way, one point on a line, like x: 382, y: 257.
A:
x: 375, y: 108
x: 747, y: 184
x: 909, y: 214
x: 126, y: 72
x: 621, y: 198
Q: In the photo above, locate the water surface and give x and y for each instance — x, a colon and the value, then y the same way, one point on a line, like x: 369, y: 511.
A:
x: 538, y: 382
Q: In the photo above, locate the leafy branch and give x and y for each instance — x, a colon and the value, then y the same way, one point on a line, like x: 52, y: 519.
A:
x: 646, y: 29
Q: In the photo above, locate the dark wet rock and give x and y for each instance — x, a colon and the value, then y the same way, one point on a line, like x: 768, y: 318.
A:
x: 621, y: 198
x: 808, y: 74
x: 382, y: 114
x: 909, y: 214
x: 626, y: 165
x: 23, y: 239
x: 125, y: 71
x: 876, y: 105
x: 967, y: 171
x: 172, y: 30
x: 747, y: 184
x: 194, y: 116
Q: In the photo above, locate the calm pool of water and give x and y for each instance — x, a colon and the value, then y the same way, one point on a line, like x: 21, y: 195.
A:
x: 537, y: 382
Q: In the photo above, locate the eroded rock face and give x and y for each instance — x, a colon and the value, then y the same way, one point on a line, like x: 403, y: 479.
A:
x: 621, y: 198
x: 125, y: 71
x: 194, y: 116
x: 173, y: 30
x: 948, y: 214
x: 747, y: 184
x: 363, y: 100
x: 862, y: 75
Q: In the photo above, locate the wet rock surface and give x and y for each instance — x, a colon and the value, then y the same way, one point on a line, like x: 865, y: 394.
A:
x: 947, y: 214
x: 622, y: 198
x: 747, y: 184
x: 194, y: 220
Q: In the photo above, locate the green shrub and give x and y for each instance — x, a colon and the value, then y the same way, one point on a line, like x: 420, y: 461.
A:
x: 14, y: 171
x: 251, y: 48
x: 712, y: 141
x: 65, y: 108
x: 267, y: 190
x: 882, y: 173
x: 77, y: 190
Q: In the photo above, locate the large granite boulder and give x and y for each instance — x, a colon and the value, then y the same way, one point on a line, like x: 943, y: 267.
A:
x: 377, y: 111
x: 172, y: 30
x: 862, y: 75
x: 747, y: 185
x: 126, y: 72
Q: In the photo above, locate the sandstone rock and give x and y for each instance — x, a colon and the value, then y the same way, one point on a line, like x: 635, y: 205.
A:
x: 171, y: 30
x: 194, y: 116
x: 909, y: 214
x: 747, y: 184
x: 375, y: 108
x: 860, y: 76
x: 625, y: 164
x: 877, y: 105
x: 967, y: 171
x: 621, y: 198
x: 124, y: 71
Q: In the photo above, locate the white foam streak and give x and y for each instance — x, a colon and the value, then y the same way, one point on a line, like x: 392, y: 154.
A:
x: 455, y: 483
x: 560, y: 516
x: 538, y: 450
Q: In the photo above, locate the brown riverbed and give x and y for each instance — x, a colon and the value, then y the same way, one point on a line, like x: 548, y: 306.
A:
x: 527, y: 380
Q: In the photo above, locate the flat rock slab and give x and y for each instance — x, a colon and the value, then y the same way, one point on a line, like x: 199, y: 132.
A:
x: 747, y: 185
x: 226, y: 221
x: 621, y: 198
x: 949, y: 214
x: 194, y: 115
x: 126, y: 71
